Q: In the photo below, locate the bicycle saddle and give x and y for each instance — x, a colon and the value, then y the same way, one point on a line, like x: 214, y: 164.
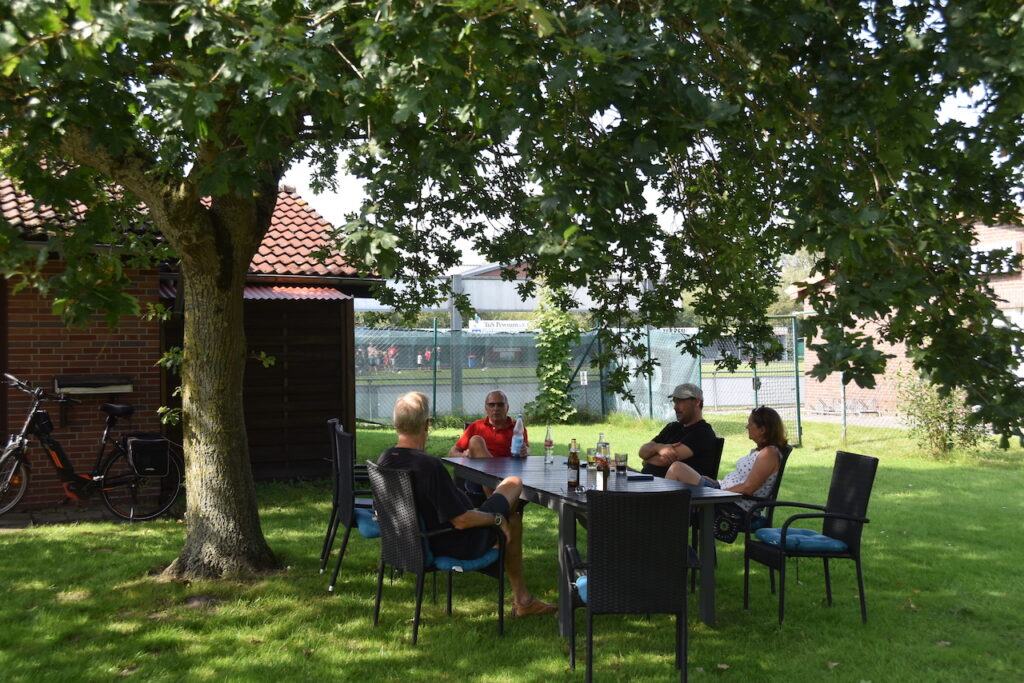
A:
x: 117, y: 410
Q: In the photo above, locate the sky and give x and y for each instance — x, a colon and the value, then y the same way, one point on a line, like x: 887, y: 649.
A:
x: 331, y: 205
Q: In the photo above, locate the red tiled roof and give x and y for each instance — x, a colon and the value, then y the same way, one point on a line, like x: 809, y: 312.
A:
x: 21, y: 211
x: 295, y: 231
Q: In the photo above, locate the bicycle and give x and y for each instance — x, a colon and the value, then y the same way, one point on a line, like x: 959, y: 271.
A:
x: 139, y: 477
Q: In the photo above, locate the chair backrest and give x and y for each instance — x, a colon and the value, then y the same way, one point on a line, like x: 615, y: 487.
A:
x: 632, y: 572
x: 401, y: 544
x: 331, y: 425
x: 853, y: 477
x: 769, y: 512
x: 344, y: 476
x: 716, y: 462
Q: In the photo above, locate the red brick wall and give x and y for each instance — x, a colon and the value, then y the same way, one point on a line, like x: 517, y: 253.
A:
x: 39, y: 348
x: 827, y: 394
x: 1009, y: 288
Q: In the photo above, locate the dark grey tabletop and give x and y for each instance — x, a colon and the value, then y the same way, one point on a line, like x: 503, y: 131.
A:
x: 546, y: 484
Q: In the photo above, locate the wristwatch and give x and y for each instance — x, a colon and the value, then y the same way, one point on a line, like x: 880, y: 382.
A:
x: 498, y: 519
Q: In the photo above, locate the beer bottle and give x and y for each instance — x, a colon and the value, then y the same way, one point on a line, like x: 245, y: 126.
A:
x: 573, y: 479
x: 603, y: 468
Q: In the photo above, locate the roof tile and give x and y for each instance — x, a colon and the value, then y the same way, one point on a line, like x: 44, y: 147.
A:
x: 296, y: 230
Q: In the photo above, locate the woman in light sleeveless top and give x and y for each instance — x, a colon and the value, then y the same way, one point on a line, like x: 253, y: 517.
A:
x: 755, y: 472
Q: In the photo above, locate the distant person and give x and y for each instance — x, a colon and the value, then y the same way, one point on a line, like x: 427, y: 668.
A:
x: 427, y: 355
x: 373, y: 353
x: 441, y: 505
x: 491, y: 436
x: 756, y: 472
x: 689, y: 439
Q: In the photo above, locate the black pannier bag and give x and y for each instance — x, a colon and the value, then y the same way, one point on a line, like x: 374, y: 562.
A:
x: 149, y: 454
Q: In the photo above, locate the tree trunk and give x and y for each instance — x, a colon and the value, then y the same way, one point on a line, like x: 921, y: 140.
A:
x: 224, y: 537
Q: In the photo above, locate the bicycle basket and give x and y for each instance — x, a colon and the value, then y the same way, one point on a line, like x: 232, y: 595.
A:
x: 149, y: 454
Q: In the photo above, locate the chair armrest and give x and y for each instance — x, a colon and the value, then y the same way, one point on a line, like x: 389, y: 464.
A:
x: 821, y: 515
x: 773, y: 504
x: 785, y: 503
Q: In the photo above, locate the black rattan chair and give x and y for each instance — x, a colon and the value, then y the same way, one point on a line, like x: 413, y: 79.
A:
x: 347, y: 509
x: 843, y: 519
x: 627, y: 573
x: 406, y: 547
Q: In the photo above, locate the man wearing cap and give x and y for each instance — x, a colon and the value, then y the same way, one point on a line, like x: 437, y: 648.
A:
x: 689, y: 438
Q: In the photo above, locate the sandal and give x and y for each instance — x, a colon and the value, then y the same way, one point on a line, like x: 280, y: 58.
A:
x: 534, y: 606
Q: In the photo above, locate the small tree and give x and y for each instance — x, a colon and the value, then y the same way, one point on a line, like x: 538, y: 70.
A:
x: 557, y: 330
x: 942, y: 424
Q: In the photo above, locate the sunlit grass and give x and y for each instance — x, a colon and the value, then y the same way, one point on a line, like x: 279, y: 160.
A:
x: 942, y: 566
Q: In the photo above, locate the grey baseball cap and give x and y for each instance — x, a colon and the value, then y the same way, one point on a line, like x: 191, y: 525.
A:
x: 687, y: 391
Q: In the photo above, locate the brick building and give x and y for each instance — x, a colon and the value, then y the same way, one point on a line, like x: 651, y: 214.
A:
x: 825, y: 397
x: 297, y: 310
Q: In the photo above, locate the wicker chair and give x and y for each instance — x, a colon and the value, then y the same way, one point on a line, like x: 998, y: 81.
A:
x: 843, y: 519
x: 406, y: 547
x: 346, y: 509
x: 627, y: 573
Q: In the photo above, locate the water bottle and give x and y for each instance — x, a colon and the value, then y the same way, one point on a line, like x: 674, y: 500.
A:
x: 549, y: 448
x: 517, y: 437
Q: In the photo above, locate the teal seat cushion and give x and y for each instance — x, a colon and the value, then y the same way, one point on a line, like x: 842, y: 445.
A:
x: 802, y: 539
x: 451, y: 564
x: 367, y: 523
x: 581, y: 587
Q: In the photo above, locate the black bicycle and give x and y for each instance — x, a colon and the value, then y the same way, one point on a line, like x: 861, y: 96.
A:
x: 138, y: 475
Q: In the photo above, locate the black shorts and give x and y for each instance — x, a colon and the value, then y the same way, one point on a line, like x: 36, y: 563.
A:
x: 470, y: 544
x: 498, y: 504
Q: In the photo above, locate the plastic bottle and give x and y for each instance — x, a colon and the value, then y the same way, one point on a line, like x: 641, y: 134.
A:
x: 517, y: 437
x: 549, y: 448
x: 573, y: 476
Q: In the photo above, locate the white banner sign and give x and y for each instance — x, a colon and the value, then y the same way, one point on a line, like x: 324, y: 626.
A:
x: 491, y: 326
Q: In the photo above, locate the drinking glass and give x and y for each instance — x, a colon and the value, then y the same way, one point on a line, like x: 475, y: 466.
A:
x: 591, y: 463
x: 620, y: 463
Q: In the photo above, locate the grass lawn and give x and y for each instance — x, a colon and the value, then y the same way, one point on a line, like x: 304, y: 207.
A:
x: 942, y: 570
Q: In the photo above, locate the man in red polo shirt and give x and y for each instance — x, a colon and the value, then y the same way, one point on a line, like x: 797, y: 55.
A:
x: 490, y: 437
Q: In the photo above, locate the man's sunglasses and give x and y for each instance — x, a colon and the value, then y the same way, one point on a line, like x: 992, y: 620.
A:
x: 495, y: 405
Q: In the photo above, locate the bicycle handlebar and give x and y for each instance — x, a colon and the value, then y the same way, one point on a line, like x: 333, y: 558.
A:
x: 41, y: 393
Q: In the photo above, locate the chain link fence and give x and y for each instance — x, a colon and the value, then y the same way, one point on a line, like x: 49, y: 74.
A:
x: 457, y: 370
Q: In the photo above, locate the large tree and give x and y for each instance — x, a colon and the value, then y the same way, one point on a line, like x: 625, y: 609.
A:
x: 562, y: 135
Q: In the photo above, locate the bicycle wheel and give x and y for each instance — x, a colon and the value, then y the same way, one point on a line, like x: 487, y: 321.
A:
x: 136, y: 497
x: 13, y: 480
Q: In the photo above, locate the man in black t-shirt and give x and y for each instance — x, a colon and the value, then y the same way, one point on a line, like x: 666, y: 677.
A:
x: 441, y: 505
x: 689, y: 438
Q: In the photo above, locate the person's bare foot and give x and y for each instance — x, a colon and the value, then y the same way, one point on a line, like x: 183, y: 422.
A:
x: 534, y: 606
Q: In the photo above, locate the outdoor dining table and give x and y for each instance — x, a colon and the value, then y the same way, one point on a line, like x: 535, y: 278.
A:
x: 546, y: 485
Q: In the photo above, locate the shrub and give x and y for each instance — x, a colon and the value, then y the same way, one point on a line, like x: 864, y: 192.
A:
x: 557, y: 330
x: 940, y: 424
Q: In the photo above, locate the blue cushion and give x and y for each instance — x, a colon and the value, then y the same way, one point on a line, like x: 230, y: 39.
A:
x: 581, y: 587
x: 367, y: 523
x: 802, y: 539
x: 451, y: 564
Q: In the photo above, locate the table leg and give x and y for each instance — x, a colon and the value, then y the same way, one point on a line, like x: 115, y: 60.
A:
x: 707, y: 560
x: 566, y: 536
